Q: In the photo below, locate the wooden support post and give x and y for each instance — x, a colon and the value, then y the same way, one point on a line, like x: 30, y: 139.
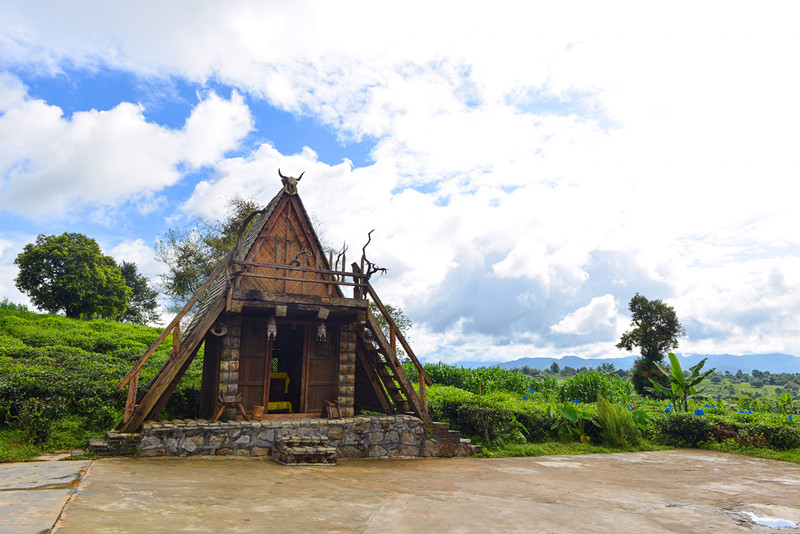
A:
x: 176, y: 339
x: 330, y: 266
x: 423, y: 394
x: 393, y: 339
x: 130, y: 402
x: 267, y: 375
x: 358, y: 283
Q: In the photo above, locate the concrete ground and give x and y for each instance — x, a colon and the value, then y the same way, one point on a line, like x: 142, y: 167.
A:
x: 665, y: 491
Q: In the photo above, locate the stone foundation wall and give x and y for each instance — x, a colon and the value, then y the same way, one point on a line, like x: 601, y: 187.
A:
x: 354, y: 437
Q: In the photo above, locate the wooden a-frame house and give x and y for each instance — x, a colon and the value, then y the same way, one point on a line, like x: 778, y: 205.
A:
x: 286, y: 334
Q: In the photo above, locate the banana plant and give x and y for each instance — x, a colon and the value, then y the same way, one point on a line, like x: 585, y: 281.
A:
x: 682, y: 387
x: 786, y: 403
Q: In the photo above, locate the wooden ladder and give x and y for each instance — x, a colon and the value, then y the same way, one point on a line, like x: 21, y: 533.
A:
x: 387, y: 377
x: 383, y: 360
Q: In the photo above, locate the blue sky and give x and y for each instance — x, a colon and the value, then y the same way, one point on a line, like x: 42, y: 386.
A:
x: 526, y: 172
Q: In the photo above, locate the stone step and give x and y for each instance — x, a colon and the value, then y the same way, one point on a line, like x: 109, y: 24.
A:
x: 293, y: 449
x: 115, y: 444
x: 293, y: 440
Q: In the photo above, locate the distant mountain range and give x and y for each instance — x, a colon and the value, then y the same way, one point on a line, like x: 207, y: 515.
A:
x: 774, y: 363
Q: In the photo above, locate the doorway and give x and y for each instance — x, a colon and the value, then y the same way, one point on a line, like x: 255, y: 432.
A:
x: 287, y: 351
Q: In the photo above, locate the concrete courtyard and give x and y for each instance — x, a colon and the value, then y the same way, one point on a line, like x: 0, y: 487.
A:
x: 665, y: 491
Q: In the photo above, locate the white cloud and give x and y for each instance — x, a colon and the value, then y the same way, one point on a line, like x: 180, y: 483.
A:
x: 51, y: 164
x: 601, y: 312
x: 8, y: 272
x: 138, y: 252
x: 555, y: 153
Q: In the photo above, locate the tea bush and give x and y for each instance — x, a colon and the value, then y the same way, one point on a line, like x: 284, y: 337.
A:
x: 683, y: 429
x: 49, y: 361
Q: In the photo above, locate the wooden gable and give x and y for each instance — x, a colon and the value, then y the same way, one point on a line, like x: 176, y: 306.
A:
x: 288, y: 239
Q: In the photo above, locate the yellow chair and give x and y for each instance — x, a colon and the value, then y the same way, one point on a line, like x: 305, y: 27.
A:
x: 278, y: 391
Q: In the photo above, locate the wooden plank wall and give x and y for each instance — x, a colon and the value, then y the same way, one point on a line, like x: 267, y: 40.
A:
x: 280, y: 243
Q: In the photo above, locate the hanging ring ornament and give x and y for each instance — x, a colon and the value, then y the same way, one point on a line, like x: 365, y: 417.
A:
x: 217, y: 331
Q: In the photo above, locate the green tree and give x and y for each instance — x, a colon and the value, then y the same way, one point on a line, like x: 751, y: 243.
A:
x: 655, y: 331
x: 191, y: 253
x: 568, y: 371
x: 606, y: 368
x: 555, y: 368
x: 143, y: 305
x: 70, y: 273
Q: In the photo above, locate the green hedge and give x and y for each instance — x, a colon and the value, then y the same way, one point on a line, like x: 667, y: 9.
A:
x: 52, y: 367
x: 504, y: 417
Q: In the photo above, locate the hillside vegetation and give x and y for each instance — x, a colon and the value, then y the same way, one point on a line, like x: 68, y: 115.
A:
x: 58, y: 386
x: 58, y: 377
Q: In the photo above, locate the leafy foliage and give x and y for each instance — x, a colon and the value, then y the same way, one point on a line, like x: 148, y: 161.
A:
x: 655, y: 330
x: 191, y: 253
x: 683, y: 429
x: 682, y: 388
x: 586, y: 387
x: 50, y: 362
x: 143, y: 304
x: 485, y: 379
x: 70, y: 273
x: 617, y: 424
x: 35, y: 418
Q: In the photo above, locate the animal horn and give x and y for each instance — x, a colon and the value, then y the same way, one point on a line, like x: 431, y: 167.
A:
x: 301, y: 175
x: 281, y: 174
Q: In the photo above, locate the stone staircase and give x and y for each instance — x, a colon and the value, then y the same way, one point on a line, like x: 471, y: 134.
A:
x: 115, y: 444
x: 292, y: 449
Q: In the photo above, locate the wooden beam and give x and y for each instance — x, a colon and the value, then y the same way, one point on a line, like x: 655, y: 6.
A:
x: 149, y: 352
x: 295, y: 268
x: 130, y: 402
x: 176, y: 339
x: 160, y: 386
x: 285, y: 278
x: 286, y: 299
x: 423, y: 375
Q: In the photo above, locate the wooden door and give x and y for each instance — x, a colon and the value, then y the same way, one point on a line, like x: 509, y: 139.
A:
x: 253, y: 361
x: 322, y: 371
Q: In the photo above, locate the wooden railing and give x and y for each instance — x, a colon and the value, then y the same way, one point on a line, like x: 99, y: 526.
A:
x: 394, y: 333
x: 132, y: 378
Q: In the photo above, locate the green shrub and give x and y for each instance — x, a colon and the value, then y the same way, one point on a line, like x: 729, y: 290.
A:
x: 35, y: 418
x: 779, y: 437
x: 683, y: 429
x: 617, y: 426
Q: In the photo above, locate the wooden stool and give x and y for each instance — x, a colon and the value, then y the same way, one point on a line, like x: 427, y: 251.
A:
x: 230, y: 400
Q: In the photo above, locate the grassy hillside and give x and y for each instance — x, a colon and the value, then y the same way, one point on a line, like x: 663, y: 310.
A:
x: 58, y: 377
